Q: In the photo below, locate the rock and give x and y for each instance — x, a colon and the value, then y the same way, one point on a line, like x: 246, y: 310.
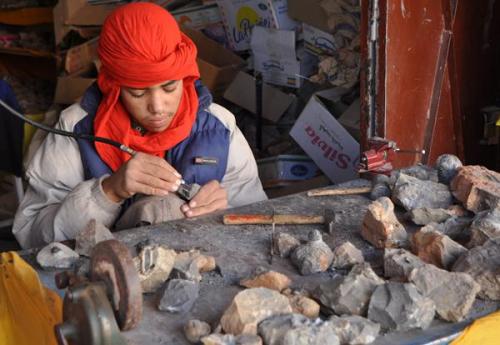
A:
x: 194, y: 330
x: 477, y: 188
x: 354, y: 329
x: 400, y: 307
x: 268, y: 279
x: 346, y: 256
x: 251, y: 306
x: 381, y: 227
x: 189, y: 265
x: 296, y: 329
x: 424, y: 216
x: 482, y: 264
x: 436, y: 248
x: 486, y: 226
x: 447, y: 167
x: 304, y: 305
x: 380, y: 190
x: 154, y: 264
x: 248, y: 339
x: 350, y: 294
x: 178, y: 296
x: 92, y: 234
x: 410, y: 193
x: 56, y: 256
x: 421, y: 172
x: 398, y: 264
x: 219, y: 339
x: 456, y: 228
x: 284, y: 244
x: 314, y: 256
x: 453, y: 293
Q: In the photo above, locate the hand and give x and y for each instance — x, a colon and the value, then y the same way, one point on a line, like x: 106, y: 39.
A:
x: 143, y: 173
x: 211, y: 197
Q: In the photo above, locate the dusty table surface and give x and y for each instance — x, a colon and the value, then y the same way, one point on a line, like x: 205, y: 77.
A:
x: 239, y: 249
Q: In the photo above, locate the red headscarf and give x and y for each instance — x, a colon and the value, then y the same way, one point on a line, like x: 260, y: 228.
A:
x: 140, y: 46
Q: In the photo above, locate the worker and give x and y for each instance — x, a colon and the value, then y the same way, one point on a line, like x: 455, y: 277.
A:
x: 148, y: 96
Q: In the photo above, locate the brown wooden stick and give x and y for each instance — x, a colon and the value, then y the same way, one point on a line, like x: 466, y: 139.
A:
x: 340, y: 191
x: 238, y: 219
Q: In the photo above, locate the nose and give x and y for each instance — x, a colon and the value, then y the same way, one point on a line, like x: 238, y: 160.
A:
x: 156, y: 104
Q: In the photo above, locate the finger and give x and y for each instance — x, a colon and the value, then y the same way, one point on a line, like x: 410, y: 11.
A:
x: 208, y: 193
x: 158, y: 161
x: 152, y: 185
x: 146, y: 167
x: 218, y: 204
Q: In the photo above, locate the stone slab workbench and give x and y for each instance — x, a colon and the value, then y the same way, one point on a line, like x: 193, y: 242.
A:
x: 239, y: 249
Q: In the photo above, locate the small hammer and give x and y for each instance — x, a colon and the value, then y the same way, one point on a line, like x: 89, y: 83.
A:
x: 279, y: 219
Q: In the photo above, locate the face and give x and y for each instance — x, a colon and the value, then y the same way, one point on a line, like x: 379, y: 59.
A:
x: 153, y: 108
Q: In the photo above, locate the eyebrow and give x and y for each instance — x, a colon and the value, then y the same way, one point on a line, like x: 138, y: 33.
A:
x: 168, y: 83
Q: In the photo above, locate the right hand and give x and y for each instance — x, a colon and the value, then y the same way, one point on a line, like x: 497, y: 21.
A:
x: 143, y: 173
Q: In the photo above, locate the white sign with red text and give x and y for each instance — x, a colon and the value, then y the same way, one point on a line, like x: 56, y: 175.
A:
x: 328, y: 144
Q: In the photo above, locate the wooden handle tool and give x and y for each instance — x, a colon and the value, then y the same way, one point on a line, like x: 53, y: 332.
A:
x: 238, y: 219
x: 340, y: 191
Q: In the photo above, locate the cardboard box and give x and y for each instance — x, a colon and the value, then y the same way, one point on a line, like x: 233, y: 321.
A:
x: 309, y: 12
x: 275, y: 57
x: 81, y: 58
x: 350, y: 119
x: 324, y: 139
x: 242, y: 92
x: 69, y: 89
x: 286, y: 168
x: 240, y: 16
x: 318, y: 42
x: 198, y: 17
x: 218, y: 65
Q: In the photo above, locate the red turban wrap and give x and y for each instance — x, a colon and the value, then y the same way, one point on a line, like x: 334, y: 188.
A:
x: 141, y: 46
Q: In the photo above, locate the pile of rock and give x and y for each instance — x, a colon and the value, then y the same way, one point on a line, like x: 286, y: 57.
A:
x: 436, y: 271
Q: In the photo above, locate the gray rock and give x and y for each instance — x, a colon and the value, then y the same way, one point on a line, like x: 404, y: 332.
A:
x: 447, y: 167
x: 452, y: 293
x: 381, y: 227
x: 411, y: 193
x: 350, y: 294
x: 297, y: 330
x: 248, y: 339
x: 457, y: 228
x: 486, y: 226
x: 422, y: 172
x: 178, y: 296
x: 424, y: 216
x: 56, y: 256
x: 346, y: 256
x: 189, y: 265
x: 380, y: 190
x: 482, y: 264
x: 400, y: 307
x: 219, y: 339
x: 355, y: 329
x: 284, y: 244
x: 93, y: 233
x: 398, y: 263
x: 436, y: 248
x: 194, y: 330
x: 314, y: 256
x: 251, y: 306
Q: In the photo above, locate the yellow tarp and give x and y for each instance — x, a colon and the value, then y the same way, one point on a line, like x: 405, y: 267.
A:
x: 484, y: 331
x: 28, y: 310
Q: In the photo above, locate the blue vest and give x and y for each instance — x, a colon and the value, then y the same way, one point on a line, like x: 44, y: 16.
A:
x: 208, y: 138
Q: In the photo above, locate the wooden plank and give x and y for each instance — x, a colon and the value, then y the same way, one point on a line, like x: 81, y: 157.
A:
x: 27, y: 16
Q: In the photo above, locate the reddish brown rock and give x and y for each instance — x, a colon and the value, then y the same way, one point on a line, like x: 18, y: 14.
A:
x: 381, y: 227
x: 284, y: 244
x: 477, y: 188
x: 189, y: 265
x: 302, y: 304
x: 436, y: 248
x: 267, y: 279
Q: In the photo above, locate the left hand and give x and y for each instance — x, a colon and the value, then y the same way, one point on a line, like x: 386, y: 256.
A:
x: 211, y: 197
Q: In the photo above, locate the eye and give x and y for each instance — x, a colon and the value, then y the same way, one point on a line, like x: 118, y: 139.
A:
x: 137, y: 95
x: 171, y: 87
